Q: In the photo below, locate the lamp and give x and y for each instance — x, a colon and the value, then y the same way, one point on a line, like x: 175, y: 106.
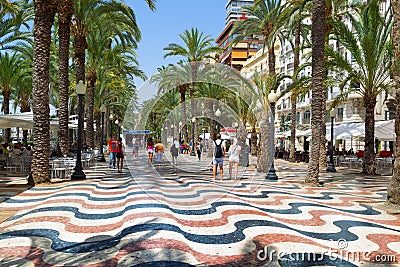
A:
x: 180, y: 131
x: 116, y: 124
x: 204, y: 139
x: 236, y: 125
x: 272, y: 98
x: 193, y: 122
x: 100, y: 157
x: 78, y: 172
x: 218, y: 114
x: 331, y: 165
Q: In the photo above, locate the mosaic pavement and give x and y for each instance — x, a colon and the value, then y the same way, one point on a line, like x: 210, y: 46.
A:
x: 167, y: 216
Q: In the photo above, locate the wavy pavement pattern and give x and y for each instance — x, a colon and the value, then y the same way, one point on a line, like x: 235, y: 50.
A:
x: 184, y: 220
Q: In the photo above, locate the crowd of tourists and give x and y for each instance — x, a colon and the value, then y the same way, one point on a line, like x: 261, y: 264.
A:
x: 155, y: 151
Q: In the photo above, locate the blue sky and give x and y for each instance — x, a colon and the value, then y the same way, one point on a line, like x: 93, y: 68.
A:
x: 163, y: 26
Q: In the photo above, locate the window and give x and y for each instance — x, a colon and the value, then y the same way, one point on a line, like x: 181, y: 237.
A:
x: 339, y: 116
x: 298, y: 118
x: 307, y: 117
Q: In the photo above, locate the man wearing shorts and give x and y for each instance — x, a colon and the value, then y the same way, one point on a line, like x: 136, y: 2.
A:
x: 218, y: 157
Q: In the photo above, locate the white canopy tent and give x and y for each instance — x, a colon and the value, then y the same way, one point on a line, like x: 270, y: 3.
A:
x: 384, y: 131
x: 22, y: 120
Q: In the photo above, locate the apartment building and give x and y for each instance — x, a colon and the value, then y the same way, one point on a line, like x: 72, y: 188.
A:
x: 234, y: 10
x: 236, y: 55
x: 347, y: 112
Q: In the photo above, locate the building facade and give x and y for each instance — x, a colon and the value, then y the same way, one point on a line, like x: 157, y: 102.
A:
x: 234, y: 10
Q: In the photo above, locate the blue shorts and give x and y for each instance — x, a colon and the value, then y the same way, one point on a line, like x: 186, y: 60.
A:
x: 218, y: 161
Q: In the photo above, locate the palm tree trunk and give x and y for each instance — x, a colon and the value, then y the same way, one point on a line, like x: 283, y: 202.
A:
x: 292, y: 154
x: 193, y: 104
x: 253, y: 142
x: 44, y: 18
x: 80, y: 46
x: 263, y: 160
x: 318, y: 43
x: 293, y: 97
x: 322, y: 145
x: 65, y: 11
x: 184, y: 126
x: 271, y: 60
x: 369, y: 148
x: 25, y: 138
x: 25, y: 107
x: 91, y: 81
x: 242, y: 135
x: 6, y: 110
x: 393, y: 191
x: 194, y: 100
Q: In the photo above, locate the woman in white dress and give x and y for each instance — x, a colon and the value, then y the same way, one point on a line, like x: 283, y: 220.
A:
x: 234, y: 152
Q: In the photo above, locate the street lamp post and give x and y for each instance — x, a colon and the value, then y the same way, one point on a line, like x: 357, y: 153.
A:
x: 78, y: 172
x: 117, y: 126
x: 271, y: 175
x: 111, y: 117
x: 193, y: 145
x: 218, y: 114
x: 331, y: 165
x: 172, y: 131
x: 204, y: 139
x: 100, y: 157
x: 180, y: 131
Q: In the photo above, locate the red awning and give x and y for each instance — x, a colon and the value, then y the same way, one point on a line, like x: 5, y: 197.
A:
x: 229, y: 130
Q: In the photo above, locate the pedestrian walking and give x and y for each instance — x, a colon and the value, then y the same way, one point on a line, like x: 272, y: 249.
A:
x: 150, y: 150
x: 136, y: 146
x: 199, y: 149
x: 234, y: 152
x: 174, y: 153
x: 120, y: 155
x: 160, y: 151
x: 113, y: 148
x: 218, y: 156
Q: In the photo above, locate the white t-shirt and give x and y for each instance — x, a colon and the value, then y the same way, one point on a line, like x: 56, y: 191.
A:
x: 234, y: 152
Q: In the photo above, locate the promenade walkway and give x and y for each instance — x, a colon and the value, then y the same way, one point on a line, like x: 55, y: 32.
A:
x: 177, y: 216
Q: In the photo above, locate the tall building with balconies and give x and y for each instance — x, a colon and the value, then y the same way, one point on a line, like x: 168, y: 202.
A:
x: 236, y: 55
x: 234, y: 9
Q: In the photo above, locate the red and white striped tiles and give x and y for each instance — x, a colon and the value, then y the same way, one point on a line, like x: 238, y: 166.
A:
x: 160, y: 217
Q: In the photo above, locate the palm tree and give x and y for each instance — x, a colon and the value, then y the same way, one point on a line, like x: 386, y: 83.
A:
x: 65, y: 12
x: 22, y: 91
x: 371, y: 49
x: 14, y: 17
x: 11, y: 70
x: 112, y: 16
x: 264, y: 19
x: 263, y: 86
x: 393, y: 191
x: 318, y: 92
x: 197, y: 47
x: 294, y: 14
x: 44, y: 18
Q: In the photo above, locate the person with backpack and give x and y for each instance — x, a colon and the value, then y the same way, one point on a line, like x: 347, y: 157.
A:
x: 113, y: 148
x: 120, y: 155
x: 218, y: 157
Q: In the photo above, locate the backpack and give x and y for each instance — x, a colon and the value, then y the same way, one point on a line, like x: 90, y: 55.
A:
x: 218, y: 150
